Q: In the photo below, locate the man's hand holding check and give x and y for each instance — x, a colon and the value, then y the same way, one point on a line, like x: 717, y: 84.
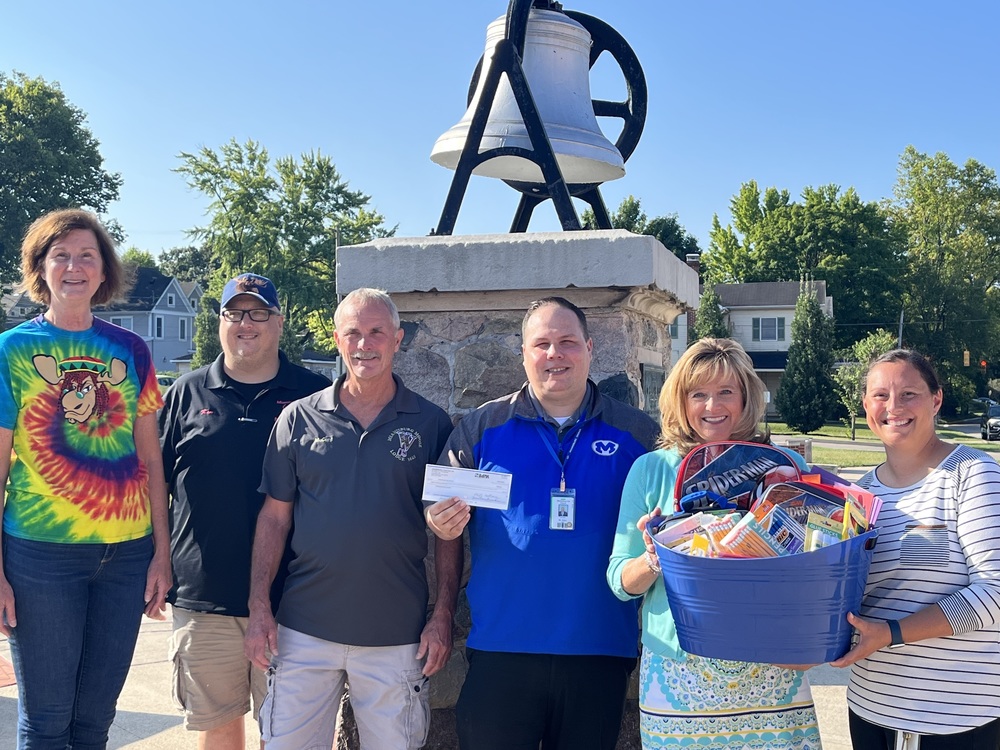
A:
x: 448, y: 518
x: 454, y: 490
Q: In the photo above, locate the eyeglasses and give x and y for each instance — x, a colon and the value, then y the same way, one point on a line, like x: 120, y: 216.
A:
x: 257, y: 315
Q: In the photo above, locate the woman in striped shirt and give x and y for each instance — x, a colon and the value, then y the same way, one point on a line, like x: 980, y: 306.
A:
x: 927, y: 658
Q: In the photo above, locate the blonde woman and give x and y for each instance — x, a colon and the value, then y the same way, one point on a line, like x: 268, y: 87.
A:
x: 711, y: 394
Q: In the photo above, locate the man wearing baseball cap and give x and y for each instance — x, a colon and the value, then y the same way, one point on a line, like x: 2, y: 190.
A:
x: 213, y: 432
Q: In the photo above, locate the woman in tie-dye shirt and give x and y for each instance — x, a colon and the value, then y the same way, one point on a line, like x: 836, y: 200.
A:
x: 85, y: 539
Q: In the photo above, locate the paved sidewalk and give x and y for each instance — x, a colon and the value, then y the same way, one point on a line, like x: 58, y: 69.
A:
x: 146, y: 717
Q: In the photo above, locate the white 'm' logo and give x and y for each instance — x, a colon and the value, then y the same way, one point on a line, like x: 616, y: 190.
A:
x: 605, y: 447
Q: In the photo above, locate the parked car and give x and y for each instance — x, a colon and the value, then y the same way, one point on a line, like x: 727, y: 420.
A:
x: 165, y: 380
x: 989, y: 425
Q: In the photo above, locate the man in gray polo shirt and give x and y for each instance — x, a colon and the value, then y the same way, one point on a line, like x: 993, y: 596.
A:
x: 348, y: 463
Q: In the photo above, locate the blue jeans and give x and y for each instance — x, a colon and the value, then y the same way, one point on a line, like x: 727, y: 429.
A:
x: 78, y: 610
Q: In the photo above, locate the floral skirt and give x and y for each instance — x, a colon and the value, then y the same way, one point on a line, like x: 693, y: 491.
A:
x: 709, y: 704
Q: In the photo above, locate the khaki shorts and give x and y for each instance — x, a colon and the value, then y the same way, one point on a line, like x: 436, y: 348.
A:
x: 213, y: 680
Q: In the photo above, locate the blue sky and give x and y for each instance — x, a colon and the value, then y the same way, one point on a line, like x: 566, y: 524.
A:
x: 790, y: 94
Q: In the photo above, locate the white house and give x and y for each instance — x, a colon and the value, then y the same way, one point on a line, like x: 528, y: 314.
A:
x: 759, y: 315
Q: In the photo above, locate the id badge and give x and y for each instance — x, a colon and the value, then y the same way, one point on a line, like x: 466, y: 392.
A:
x: 562, y: 513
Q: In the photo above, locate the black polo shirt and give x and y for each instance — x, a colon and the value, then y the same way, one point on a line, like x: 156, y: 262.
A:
x: 213, y: 435
x: 360, y: 539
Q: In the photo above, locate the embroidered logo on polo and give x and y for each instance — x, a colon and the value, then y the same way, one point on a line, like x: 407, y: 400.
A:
x: 408, y: 440
x: 605, y: 447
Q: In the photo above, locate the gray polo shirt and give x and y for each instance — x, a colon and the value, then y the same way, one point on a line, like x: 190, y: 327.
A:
x: 359, y: 537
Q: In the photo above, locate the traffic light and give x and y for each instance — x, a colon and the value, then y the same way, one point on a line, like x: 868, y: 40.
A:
x: 982, y: 363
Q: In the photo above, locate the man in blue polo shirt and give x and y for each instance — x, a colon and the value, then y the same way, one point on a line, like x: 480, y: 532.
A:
x: 551, y: 648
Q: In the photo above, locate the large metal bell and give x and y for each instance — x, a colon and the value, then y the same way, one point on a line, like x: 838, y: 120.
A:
x: 556, y: 63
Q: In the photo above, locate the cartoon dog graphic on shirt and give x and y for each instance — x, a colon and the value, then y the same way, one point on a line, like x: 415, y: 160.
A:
x: 84, y: 382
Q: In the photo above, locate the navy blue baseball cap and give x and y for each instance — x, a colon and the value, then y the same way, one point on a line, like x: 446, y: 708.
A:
x: 256, y: 286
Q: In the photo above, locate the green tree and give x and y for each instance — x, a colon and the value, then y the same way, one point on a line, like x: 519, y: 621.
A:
x: 806, y: 394
x: 190, y: 263
x: 710, y: 322
x: 320, y: 326
x: 667, y: 229
x: 291, y: 342
x: 137, y: 258
x: 958, y: 388
x: 828, y: 235
x: 48, y: 159
x: 283, y: 219
x: 950, y: 217
x: 207, y: 346
x: 848, y: 376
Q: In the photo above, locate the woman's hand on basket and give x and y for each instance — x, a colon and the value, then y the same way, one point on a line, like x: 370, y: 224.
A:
x: 642, y: 571
x: 646, y: 538
x: 872, y: 635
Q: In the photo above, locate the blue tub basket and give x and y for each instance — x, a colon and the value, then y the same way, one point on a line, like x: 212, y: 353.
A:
x: 777, y: 610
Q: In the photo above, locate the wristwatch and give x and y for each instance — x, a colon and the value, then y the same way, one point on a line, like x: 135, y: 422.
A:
x: 897, y: 634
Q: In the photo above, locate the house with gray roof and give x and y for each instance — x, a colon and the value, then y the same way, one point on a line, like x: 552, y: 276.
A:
x: 19, y: 307
x: 158, y: 309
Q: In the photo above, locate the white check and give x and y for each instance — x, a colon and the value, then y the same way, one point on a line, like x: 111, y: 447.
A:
x: 483, y: 489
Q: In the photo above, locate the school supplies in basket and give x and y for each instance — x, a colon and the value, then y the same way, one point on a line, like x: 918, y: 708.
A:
x: 785, y: 574
x: 732, y: 470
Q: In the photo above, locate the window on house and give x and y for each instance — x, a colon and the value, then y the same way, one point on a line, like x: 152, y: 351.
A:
x: 768, y: 329
x: 170, y: 300
x: 158, y: 327
x: 123, y: 322
x: 182, y: 332
x: 675, y: 329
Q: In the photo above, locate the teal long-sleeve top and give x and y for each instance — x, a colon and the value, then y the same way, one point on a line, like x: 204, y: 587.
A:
x: 650, y: 484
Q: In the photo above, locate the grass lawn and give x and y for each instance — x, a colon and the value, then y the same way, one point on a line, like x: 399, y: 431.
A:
x: 846, y: 458
x: 863, y: 434
x: 830, y: 429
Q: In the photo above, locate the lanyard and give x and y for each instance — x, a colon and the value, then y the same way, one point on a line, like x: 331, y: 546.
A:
x: 561, y: 461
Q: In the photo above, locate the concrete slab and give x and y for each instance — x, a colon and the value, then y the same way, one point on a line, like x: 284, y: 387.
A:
x: 459, y: 264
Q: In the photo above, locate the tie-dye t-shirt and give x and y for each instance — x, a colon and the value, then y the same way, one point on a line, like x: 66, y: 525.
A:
x: 71, y: 398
